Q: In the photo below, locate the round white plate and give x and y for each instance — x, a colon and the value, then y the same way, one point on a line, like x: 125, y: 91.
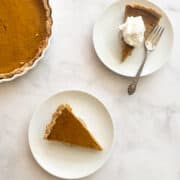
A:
x: 107, y: 41
x: 62, y: 160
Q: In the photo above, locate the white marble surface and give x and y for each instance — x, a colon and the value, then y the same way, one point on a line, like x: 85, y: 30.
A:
x: 147, y: 124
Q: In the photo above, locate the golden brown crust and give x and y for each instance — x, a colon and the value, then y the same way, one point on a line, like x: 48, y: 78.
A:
x: 55, y: 116
x: 149, y: 10
x: 49, y: 23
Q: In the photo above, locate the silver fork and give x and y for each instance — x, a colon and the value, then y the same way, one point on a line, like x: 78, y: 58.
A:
x: 150, y: 45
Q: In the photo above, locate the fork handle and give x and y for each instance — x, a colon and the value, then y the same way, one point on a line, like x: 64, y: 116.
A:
x: 132, y: 86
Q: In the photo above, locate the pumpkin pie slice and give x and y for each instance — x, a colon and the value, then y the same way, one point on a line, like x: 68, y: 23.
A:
x: 25, y: 28
x: 150, y: 17
x: 66, y: 127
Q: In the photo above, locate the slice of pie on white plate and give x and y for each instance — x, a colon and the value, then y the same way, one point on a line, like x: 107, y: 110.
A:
x: 66, y: 127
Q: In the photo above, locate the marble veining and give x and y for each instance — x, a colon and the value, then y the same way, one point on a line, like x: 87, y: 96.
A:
x: 147, y: 124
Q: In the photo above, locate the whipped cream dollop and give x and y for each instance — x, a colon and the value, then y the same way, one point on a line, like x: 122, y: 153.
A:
x: 133, y: 30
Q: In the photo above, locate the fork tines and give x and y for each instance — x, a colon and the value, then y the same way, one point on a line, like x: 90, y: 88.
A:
x: 155, y: 34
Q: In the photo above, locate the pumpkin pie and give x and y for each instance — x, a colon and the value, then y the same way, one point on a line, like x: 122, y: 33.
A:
x: 25, y: 27
x: 150, y: 17
x: 66, y: 127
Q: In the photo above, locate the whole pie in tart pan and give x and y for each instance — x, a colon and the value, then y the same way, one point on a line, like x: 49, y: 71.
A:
x: 25, y: 29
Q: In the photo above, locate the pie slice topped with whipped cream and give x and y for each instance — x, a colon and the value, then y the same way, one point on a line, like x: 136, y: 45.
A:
x: 67, y: 128
x: 150, y: 17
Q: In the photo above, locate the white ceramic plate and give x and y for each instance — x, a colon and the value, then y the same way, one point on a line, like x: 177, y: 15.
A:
x: 106, y: 38
x: 63, y: 160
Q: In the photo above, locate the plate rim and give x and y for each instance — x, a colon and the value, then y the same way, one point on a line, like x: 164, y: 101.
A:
x: 108, y: 66
x: 113, y: 132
